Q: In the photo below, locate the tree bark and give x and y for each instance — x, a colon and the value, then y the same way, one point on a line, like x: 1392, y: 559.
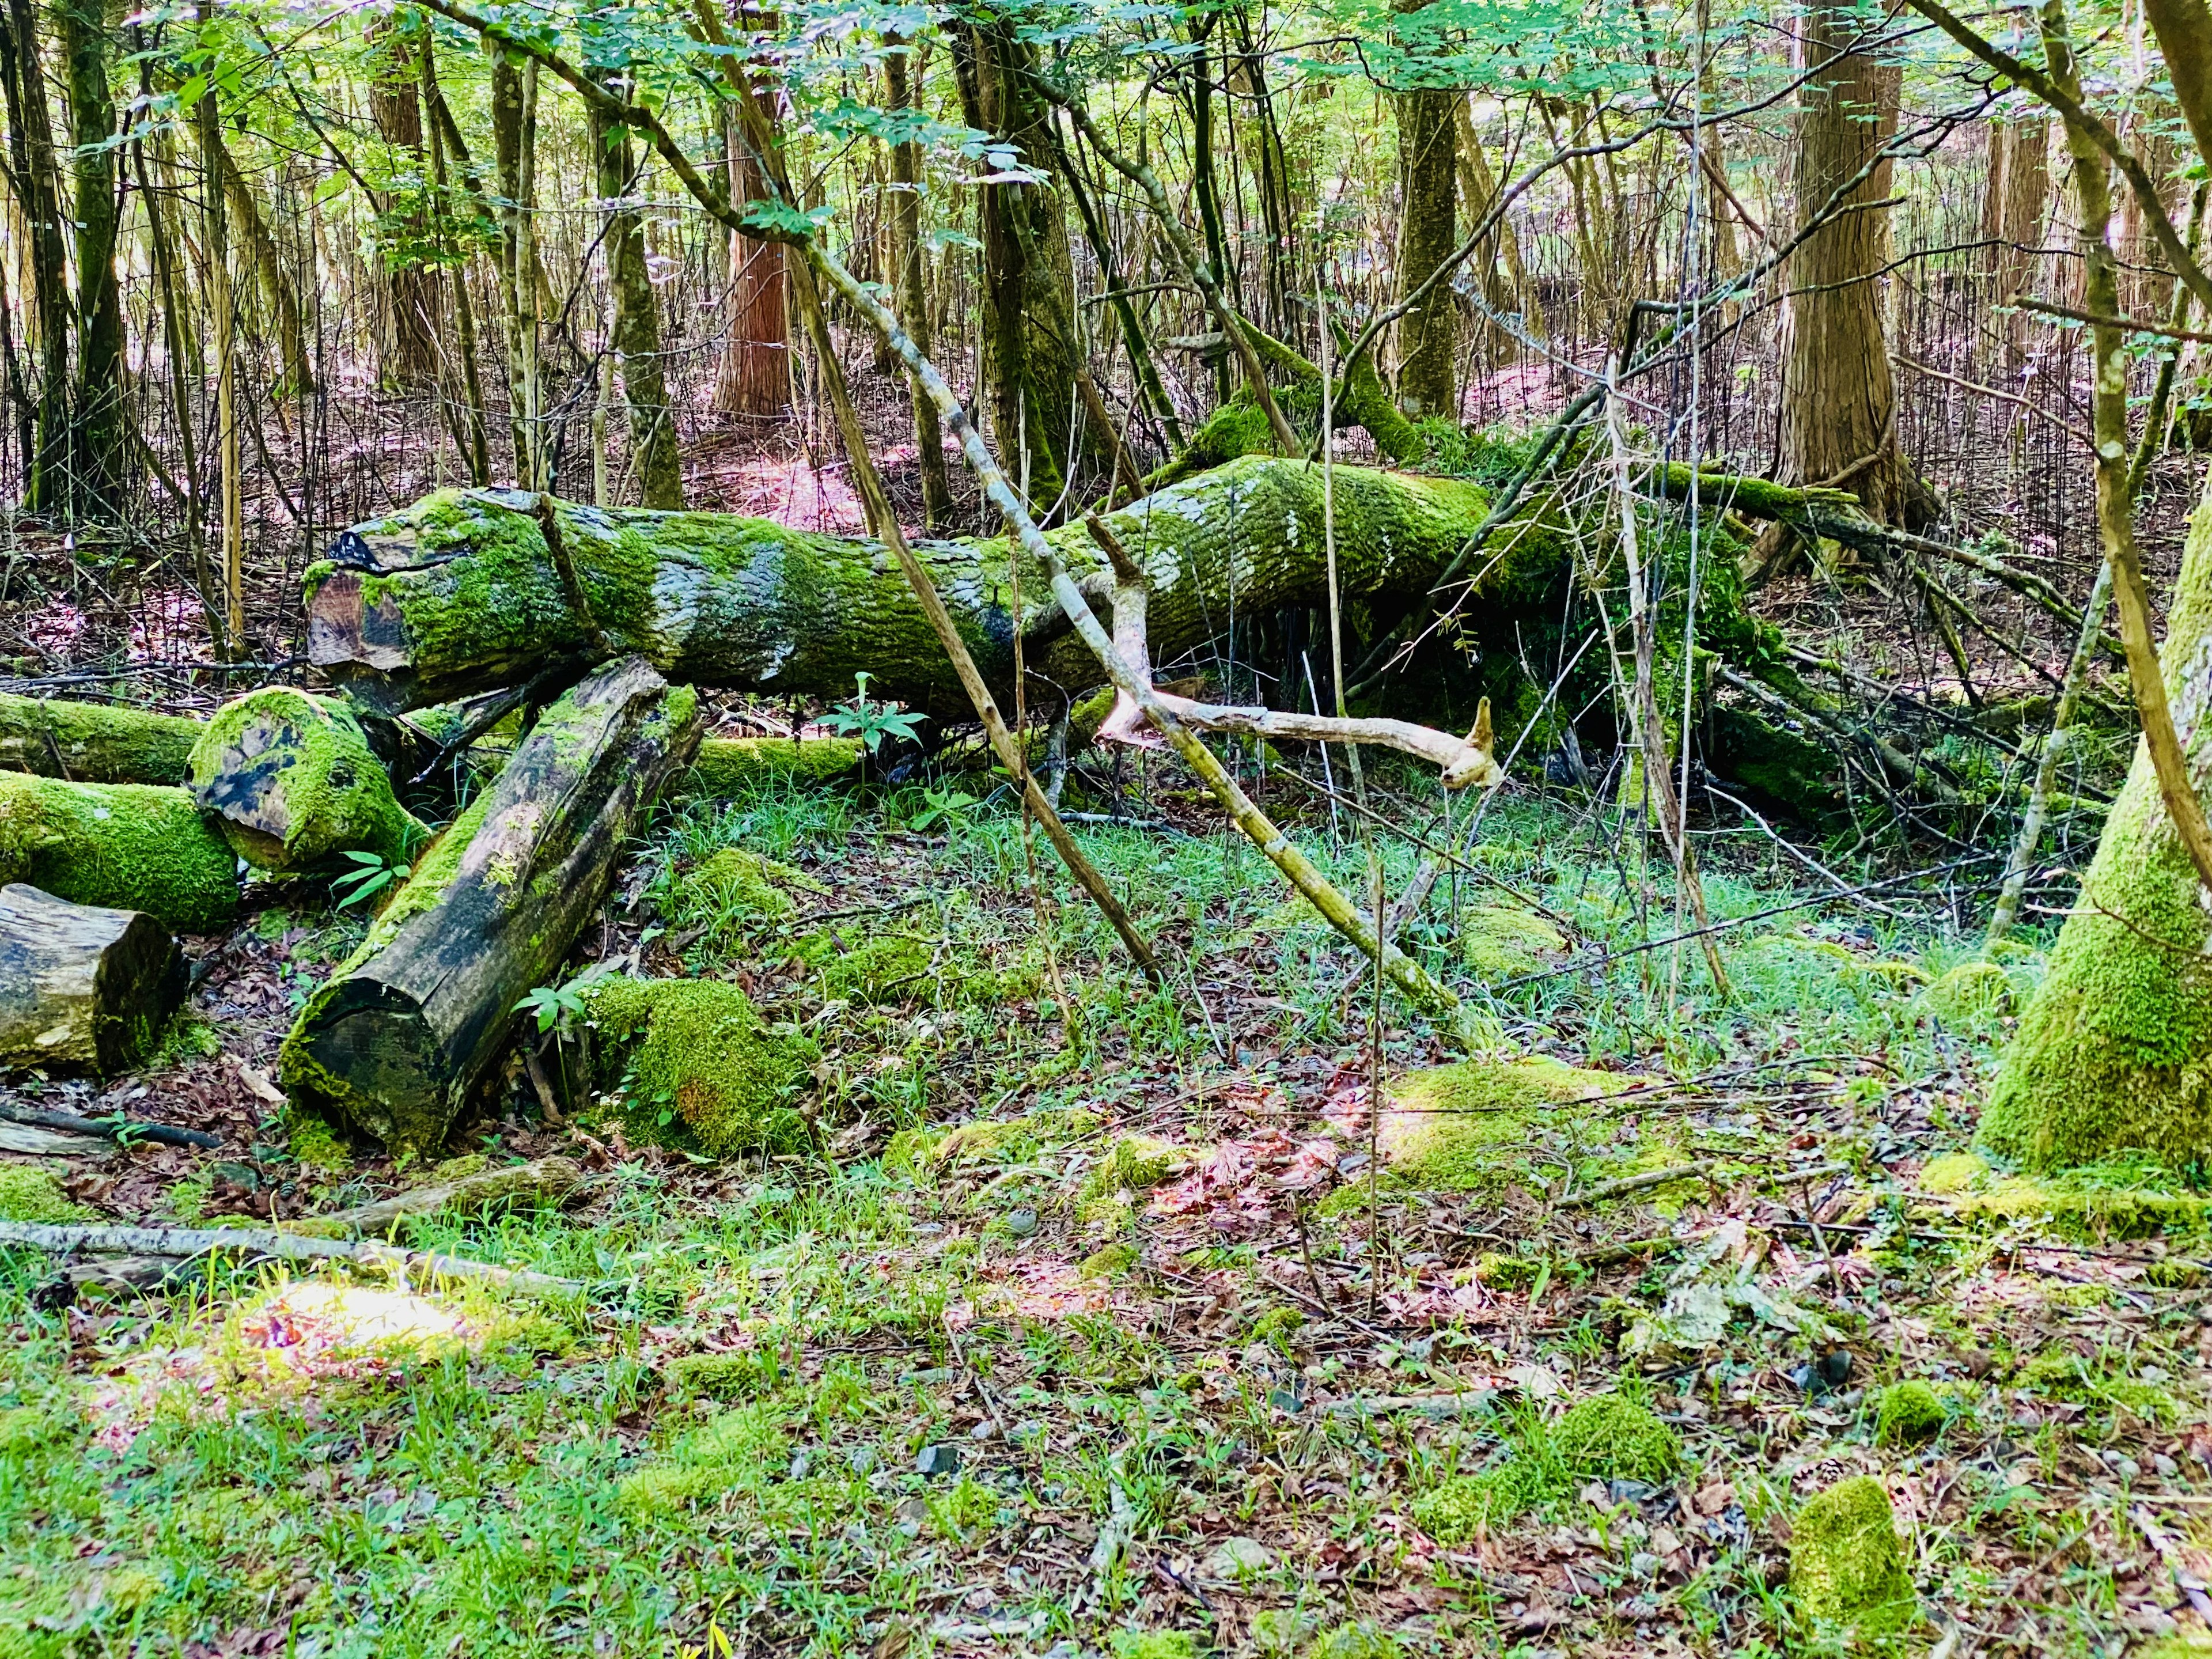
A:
x: 754, y: 377
x: 97, y: 423
x: 36, y: 174
x: 1839, y: 400
x: 82, y: 988
x: 1428, y: 181
x: 515, y: 142
x: 900, y: 90
x: 397, y: 1039
x: 276, y: 285
x: 463, y: 592
x: 94, y: 743
x: 290, y: 780
x: 409, y: 341
x: 635, y: 331
x: 2015, y: 197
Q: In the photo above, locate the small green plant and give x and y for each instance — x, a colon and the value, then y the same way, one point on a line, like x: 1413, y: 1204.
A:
x: 871, y: 721
x: 947, y: 807
x: 372, y: 873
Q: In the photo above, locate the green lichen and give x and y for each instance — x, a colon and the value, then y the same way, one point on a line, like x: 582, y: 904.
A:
x: 1911, y: 1414
x: 1502, y: 944
x: 1447, y: 1128
x: 1153, y: 1645
x: 292, y: 781
x: 1612, y: 1438
x: 127, y: 846
x: 699, y: 1049
x: 30, y: 1194
x: 729, y: 766
x: 1846, y: 1565
x: 1110, y: 1261
x: 95, y: 742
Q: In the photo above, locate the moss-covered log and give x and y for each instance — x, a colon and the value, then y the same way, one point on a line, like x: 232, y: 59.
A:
x: 397, y: 1037
x: 93, y: 742
x: 2114, y: 1050
x: 290, y: 780
x: 122, y: 846
x: 82, y: 988
x: 465, y: 590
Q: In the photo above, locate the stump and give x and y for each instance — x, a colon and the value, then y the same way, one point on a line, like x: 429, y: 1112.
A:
x: 82, y: 988
x: 402, y: 1031
x: 291, y: 780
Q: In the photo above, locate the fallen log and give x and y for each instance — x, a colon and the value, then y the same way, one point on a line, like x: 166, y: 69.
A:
x: 395, y: 1040
x: 543, y: 1181
x: 290, y: 780
x: 122, y: 846
x: 82, y: 988
x: 93, y: 742
x: 468, y: 590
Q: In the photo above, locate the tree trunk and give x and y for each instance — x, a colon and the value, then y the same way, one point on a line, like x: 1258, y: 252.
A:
x: 126, y: 845
x: 290, y: 781
x: 469, y: 434
x: 1839, y: 400
x: 634, y: 329
x: 408, y: 356
x: 276, y: 285
x: 94, y: 743
x: 755, y: 375
x: 82, y: 988
x: 461, y: 592
x: 1506, y: 283
x: 900, y: 89
x: 515, y: 141
x: 37, y: 179
x: 97, y: 443
x: 2015, y: 198
x: 1428, y: 183
x: 207, y: 118
x: 397, y: 1038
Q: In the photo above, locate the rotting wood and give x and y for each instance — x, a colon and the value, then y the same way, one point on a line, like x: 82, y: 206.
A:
x: 82, y: 988
x: 542, y: 1181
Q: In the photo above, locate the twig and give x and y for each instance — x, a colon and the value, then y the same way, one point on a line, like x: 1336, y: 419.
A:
x: 1637, y: 1183
x: 113, y: 1128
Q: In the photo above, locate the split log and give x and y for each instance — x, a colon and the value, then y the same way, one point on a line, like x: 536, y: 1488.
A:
x: 93, y: 742
x: 467, y: 590
x: 122, y: 846
x: 290, y: 780
x: 395, y: 1039
x: 82, y: 988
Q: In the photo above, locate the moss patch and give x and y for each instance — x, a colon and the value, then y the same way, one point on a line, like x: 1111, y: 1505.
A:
x: 128, y: 847
x: 1111, y: 1262
x: 1153, y: 1645
x: 740, y: 880
x: 314, y: 1143
x: 97, y: 743
x: 1969, y: 992
x: 699, y: 1050
x: 1445, y: 1128
x: 897, y: 969
x: 292, y: 781
x: 1953, y: 1172
x: 1500, y: 943
x: 1612, y: 1438
x: 742, y: 1450
x: 30, y: 1193
x: 733, y: 766
x: 1846, y: 1565
x: 1909, y: 1414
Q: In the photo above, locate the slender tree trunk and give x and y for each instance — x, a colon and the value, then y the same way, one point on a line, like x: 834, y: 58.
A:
x: 2015, y: 198
x: 635, y: 328
x: 514, y: 137
x: 97, y: 444
x: 1839, y: 400
x: 37, y: 177
x: 900, y: 90
x: 276, y: 285
x: 1504, y: 281
x: 1428, y: 183
x: 409, y: 353
x: 754, y: 377
x: 470, y: 435
x: 219, y: 302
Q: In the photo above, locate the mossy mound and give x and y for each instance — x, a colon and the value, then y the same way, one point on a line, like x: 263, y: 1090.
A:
x: 739, y: 880
x: 1909, y: 1414
x: 30, y: 1193
x: 698, y: 1049
x: 1153, y: 1644
x: 733, y: 766
x: 2122, y: 1200
x: 292, y: 780
x: 315, y: 1143
x: 1356, y: 1639
x: 1444, y: 1128
x: 1500, y: 943
x: 727, y: 1377
x: 1612, y: 1438
x: 986, y: 1140
x: 1111, y: 1262
x: 1459, y: 1509
x: 1134, y: 1163
x: 1971, y: 991
x: 898, y: 968
x: 127, y: 846
x: 1952, y: 1172
x: 744, y: 1449
x: 1846, y: 1565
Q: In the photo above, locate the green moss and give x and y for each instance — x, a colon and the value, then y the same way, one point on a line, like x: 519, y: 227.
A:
x: 1276, y: 1325
x: 737, y: 878
x: 727, y: 1377
x: 1153, y: 1645
x: 315, y: 1143
x: 292, y: 781
x: 1507, y: 1273
x: 909, y: 1149
x: 899, y: 967
x: 744, y: 1449
x: 728, y: 767
x: 1612, y: 1438
x: 98, y: 742
x: 1952, y: 1172
x: 2061, y: 1374
x: 2122, y: 1200
x: 1356, y: 1639
x: 1459, y: 1509
x: 1501, y: 944
x: 26, y: 1428
x: 1971, y: 991
x: 1846, y: 1565
x: 128, y: 847
x: 1111, y: 1262
x: 699, y: 1049
x: 1910, y: 1414
x: 1446, y: 1129
x: 1779, y: 766
x: 28, y: 1193
x: 1132, y: 1163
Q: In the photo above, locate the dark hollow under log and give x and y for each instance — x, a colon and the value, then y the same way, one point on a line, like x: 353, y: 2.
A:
x: 397, y: 1037
x: 83, y: 989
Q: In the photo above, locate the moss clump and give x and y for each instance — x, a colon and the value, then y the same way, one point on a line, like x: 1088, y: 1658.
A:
x: 1357, y: 1639
x: 1507, y: 1273
x: 727, y: 1377
x: 30, y: 1193
x: 1611, y: 1438
x: 1909, y: 1414
x: 1846, y: 1565
x: 292, y: 781
x: 1445, y: 1127
x: 1462, y: 1508
x: 699, y: 1049
x: 1952, y: 1172
x: 742, y: 1450
x: 97, y: 743
x: 1115, y: 1261
x: 1971, y: 991
x: 127, y: 846
x: 733, y: 766
x: 1153, y: 1645
x: 1500, y: 944
x: 740, y: 880
x: 1134, y: 1163
x: 1277, y: 1326
x: 315, y: 1143
x: 1779, y: 766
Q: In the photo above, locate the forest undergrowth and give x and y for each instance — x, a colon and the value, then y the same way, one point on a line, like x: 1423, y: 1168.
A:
x: 1084, y: 1318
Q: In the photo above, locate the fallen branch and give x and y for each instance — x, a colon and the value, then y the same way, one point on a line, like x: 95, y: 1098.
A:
x: 412, y: 1266
x: 1637, y: 1183
x: 110, y: 1128
x: 543, y: 1181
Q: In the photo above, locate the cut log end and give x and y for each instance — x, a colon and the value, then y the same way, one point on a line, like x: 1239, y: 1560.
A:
x: 82, y: 988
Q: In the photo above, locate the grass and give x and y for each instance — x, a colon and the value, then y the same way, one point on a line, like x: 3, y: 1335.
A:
x: 220, y: 1471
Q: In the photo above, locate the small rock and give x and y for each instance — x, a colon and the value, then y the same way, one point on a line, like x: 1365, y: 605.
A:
x: 936, y: 1374
x: 939, y: 1460
x: 1643, y: 1564
x: 984, y: 1430
x: 1836, y: 1367
x: 911, y: 1512
x: 2128, y: 1469
x: 800, y: 1463
x: 2167, y: 1467
x: 1021, y: 1223
x: 861, y: 1460
x: 1233, y: 1558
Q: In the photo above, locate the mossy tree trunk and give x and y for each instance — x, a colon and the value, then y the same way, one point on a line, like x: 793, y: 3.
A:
x: 397, y: 1038
x: 2114, y: 1050
x: 463, y: 591
x: 37, y: 183
x: 94, y: 743
x: 124, y: 847
x: 1428, y: 184
x: 634, y: 332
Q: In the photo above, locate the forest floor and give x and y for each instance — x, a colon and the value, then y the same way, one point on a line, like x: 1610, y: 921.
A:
x: 1124, y: 1346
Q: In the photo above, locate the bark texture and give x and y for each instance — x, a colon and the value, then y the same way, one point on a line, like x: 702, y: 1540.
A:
x: 634, y: 329
x: 1428, y: 182
x: 463, y: 591
x: 397, y: 1037
x: 82, y: 988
